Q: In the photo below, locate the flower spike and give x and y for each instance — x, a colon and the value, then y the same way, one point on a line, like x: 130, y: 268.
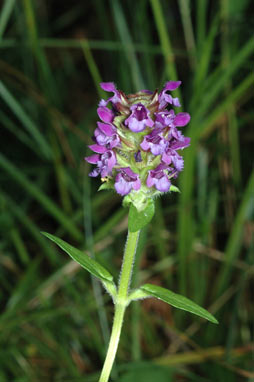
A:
x: 137, y: 142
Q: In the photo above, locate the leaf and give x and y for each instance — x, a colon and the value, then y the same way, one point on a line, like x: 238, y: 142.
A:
x: 177, y: 301
x: 138, y: 220
x: 84, y: 260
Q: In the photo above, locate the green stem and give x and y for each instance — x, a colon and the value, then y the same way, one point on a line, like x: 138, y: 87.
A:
x: 120, y: 303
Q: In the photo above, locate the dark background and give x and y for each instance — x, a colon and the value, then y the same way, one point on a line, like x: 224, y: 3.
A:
x: 55, y: 322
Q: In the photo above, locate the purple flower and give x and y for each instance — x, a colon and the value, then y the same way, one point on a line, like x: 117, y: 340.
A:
x: 177, y: 140
x: 126, y: 180
x: 172, y: 157
x: 165, y: 98
x: 164, y: 118
x: 106, y: 135
x: 159, y: 178
x: 155, y: 142
x: 139, y: 118
x: 105, y: 162
x: 110, y: 87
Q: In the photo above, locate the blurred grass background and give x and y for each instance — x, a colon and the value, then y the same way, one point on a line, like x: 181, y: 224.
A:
x: 55, y: 322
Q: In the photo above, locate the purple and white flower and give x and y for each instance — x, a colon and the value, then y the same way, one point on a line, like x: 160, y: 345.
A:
x: 176, y: 139
x: 106, y: 135
x: 172, y: 157
x: 126, y: 180
x: 159, y: 178
x: 155, y: 142
x: 139, y: 118
x: 110, y: 87
x: 164, y: 118
x: 165, y: 98
x: 105, y: 162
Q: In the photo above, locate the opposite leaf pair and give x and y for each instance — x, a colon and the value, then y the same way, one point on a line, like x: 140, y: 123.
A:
x: 145, y: 291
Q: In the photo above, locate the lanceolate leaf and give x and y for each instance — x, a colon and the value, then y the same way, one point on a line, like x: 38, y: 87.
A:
x: 177, y: 301
x: 84, y: 260
x: 138, y: 220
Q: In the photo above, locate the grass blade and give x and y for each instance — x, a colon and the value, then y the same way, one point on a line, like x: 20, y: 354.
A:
x: 5, y: 15
x: 34, y: 191
x: 25, y: 119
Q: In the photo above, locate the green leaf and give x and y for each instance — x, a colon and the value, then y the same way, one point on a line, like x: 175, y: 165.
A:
x: 138, y: 220
x: 83, y: 259
x: 177, y: 301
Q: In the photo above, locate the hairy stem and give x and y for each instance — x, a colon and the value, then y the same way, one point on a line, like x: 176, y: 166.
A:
x: 120, y: 303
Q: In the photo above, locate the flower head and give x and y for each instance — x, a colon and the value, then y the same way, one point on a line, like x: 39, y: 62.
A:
x: 137, y: 141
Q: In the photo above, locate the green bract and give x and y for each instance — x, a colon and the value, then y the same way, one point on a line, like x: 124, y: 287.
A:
x: 138, y: 220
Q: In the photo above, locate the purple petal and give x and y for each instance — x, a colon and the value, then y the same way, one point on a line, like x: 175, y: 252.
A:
x: 115, y: 141
x: 98, y: 149
x: 105, y: 114
x: 118, y: 177
x: 111, y: 160
x: 135, y: 125
x: 93, y: 158
x: 185, y: 142
x: 94, y: 173
x: 176, y: 102
x: 178, y: 162
x: 136, y: 185
x: 149, y: 180
x: 160, y: 167
x: 166, y: 158
x: 108, y: 86
x: 172, y: 85
x: 163, y: 184
x: 100, y: 138
x: 103, y: 102
x: 129, y: 172
x: 181, y: 119
x: 144, y: 145
x: 106, y: 128
x: 158, y: 149
x: 122, y: 187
